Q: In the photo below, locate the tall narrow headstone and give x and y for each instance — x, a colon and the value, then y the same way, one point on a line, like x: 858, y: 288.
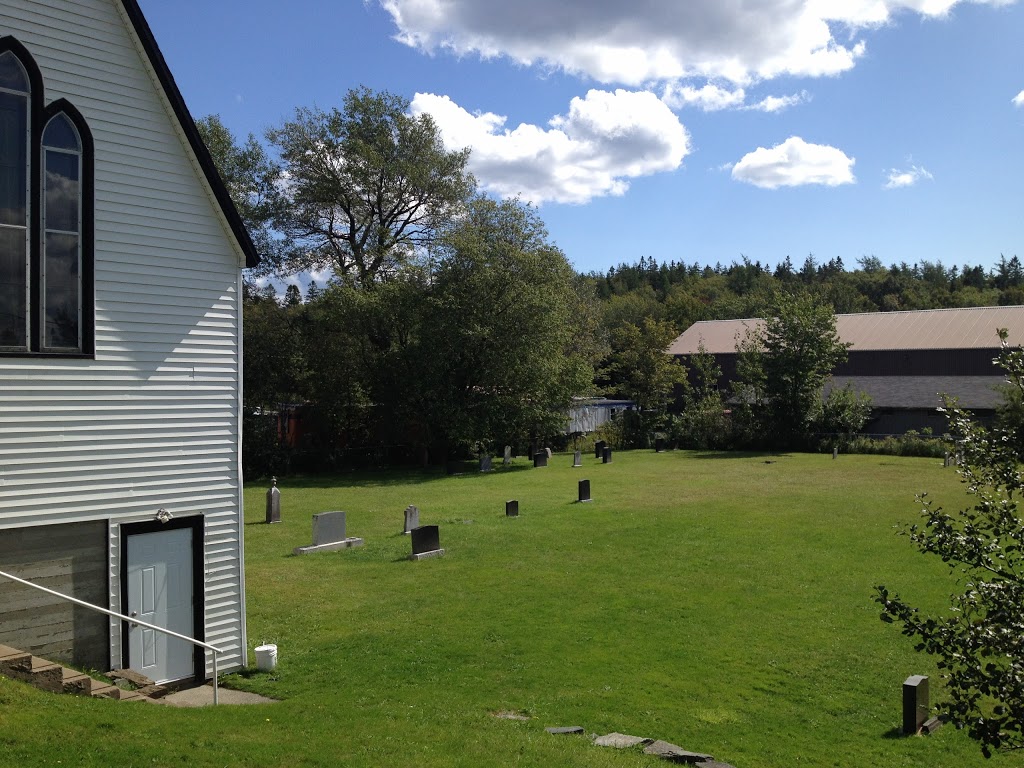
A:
x: 915, y: 703
x: 426, y: 542
x: 412, y: 518
x: 273, y: 502
x: 599, y: 448
x: 946, y: 459
x: 507, y: 458
x: 835, y: 452
x: 577, y: 459
x: 512, y: 508
x: 659, y: 444
x: 540, y: 459
x: 584, y: 491
x: 329, y: 534
x: 485, y: 463
x: 606, y: 456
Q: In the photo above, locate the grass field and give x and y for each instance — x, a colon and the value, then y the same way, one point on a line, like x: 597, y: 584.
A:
x: 718, y: 602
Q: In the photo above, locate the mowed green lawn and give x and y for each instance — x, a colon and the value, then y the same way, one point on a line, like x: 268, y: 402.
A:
x: 719, y: 602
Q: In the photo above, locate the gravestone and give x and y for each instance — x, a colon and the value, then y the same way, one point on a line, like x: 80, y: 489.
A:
x: 548, y: 452
x: 412, y: 518
x: 915, y: 703
x: 946, y: 459
x: 577, y: 459
x: 273, y: 502
x: 599, y: 448
x: 659, y: 444
x: 606, y: 456
x: 485, y: 463
x: 453, y: 467
x: 512, y: 508
x: 507, y: 458
x: 426, y: 542
x: 835, y: 452
x: 584, y: 492
x: 329, y: 534
x: 540, y: 459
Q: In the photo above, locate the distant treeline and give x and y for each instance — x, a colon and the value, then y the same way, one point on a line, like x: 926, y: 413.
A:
x: 683, y: 293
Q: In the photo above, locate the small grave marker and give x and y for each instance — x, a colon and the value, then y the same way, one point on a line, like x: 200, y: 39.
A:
x: 274, y: 502
x: 540, y: 459
x: 507, y: 457
x: 565, y: 730
x: 606, y: 456
x: 577, y: 459
x: 426, y: 542
x: 599, y: 448
x: 659, y: 444
x: 512, y: 508
x: 412, y: 518
x: 584, y: 491
x: 915, y: 703
x: 548, y: 452
x: 835, y: 452
x: 329, y: 534
x: 485, y: 463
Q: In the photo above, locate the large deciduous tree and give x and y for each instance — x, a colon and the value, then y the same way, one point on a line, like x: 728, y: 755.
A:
x: 507, y: 334
x: 364, y: 187
x: 980, y: 642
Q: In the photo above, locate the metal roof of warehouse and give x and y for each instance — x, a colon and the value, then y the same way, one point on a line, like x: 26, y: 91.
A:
x: 962, y: 328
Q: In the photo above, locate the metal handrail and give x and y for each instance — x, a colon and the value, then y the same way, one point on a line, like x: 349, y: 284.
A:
x: 130, y: 620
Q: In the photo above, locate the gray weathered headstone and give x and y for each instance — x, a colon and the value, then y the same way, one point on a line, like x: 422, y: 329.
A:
x: 426, y: 542
x: 835, y: 452
x: 274, y: 502
x: 584, y: 490
x: 507, y: 458
x: 548, y: 452
x: 577, y: 459
x: 485, y: 463
x: 329, y: 534
x: 512, y: 508
x: 915, y: 703
x: 606, y: 456
x: 412, y: 518
x: 540, y: 459
x: 946, y: 459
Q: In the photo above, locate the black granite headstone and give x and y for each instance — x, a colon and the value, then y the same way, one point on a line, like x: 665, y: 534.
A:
x: 915, y: 703
x: 659, y: 444
x: 584, y: 490
x: 599, y: 448
x: 426, y: 538
x: 512, y: 508
x: 540, y: 459
x: 606, y: 455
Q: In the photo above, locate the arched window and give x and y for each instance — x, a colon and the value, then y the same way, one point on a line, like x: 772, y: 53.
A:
x: 15, y: 175
x: 61, y: 267
x: 46, y: 216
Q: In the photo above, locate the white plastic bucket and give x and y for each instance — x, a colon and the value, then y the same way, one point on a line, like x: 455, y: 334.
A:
x: 266, y: 657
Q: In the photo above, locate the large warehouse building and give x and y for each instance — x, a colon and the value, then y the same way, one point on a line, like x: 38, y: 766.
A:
x: 903, y: 360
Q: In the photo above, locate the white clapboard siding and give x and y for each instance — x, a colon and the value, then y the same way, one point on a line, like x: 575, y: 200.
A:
x: 153, y: 421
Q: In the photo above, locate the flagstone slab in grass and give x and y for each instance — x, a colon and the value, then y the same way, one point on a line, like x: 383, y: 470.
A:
x: 621, y: 741
x: 565, y: 730
x: 675, y: 754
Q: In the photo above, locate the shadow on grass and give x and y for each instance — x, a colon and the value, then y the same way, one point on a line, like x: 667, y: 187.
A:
x: 377, y: 478
x: 894, y: 733
x: 740, y: 455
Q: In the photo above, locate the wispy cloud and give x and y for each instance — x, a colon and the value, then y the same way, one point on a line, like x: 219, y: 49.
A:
x: 908, y: 178
x: 1018, y: 100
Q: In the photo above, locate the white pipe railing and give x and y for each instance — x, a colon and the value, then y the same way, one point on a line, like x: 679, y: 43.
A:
x: 130, y: 620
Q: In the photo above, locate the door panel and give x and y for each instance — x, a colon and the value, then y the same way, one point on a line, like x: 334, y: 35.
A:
x: 159, y: 566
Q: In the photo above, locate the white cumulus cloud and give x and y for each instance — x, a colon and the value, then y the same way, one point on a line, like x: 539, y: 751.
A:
x: 648, y: 41
x: 1018, y: 100
x: 605, y: 139
x: 908, y: 178
x: 780, y: 103
x: 710, y: 97
x: 794, y: 163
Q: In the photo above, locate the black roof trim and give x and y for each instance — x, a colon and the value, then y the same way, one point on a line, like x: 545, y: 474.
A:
x: 156, y: 59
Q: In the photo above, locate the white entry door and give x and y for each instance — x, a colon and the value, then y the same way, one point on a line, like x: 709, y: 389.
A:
x: 160, y: 592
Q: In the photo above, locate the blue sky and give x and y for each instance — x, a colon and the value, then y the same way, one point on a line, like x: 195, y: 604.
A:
x: 693, y: 130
